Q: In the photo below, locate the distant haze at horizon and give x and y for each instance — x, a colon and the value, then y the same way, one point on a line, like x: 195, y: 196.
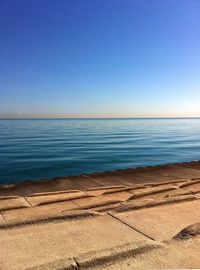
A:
x: 99, y: 59
x: 13, y: 117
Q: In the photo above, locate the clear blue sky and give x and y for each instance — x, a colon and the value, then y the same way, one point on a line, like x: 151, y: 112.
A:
x: 99, y: 58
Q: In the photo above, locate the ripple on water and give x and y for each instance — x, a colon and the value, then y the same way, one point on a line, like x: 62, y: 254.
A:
x: 39, y: 148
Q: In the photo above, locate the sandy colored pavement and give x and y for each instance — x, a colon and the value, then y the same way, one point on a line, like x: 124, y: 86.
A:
x: 144, y: 218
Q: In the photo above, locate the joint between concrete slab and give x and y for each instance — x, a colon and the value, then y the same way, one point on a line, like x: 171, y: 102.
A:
x: 133, y: 228
x: 28, y: 202
x: 90, y: 178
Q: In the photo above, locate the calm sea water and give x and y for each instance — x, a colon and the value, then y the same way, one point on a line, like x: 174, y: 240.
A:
x: 34, y: 149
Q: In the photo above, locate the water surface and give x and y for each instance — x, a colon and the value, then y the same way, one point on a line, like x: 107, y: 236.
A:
x: 43, y: 148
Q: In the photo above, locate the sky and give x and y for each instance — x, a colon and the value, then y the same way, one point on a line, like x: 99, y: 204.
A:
x: 99, y: 58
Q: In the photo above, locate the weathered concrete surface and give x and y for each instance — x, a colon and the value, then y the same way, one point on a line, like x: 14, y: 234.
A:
x: 163, y: 222
x: 142, y: 218
x: 56, y: 240
x: 53, y: 198
x: 13, y: 203
x: 35, y: 212
x: 174, y: 255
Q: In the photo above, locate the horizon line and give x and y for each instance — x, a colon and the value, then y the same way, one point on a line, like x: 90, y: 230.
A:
x: 79, y: 118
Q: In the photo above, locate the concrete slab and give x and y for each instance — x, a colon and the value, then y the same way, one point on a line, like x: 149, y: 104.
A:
x: 102, y: 200
x: 193, y: 186
x: 180, y: 172
x: 106, y: 208
x: 153, y: 192
x: 177, y: 193
x: 176, y: 255
x: 85, y: 182
x: 53, y: 198
x: 14, y: 203
x: 97, y: 192
x: 143, y: 175
x: 34, y: 212
x: 163, y: 222
x: 45, y: 243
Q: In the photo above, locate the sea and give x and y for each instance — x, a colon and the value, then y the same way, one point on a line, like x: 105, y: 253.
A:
x: 32, y: 149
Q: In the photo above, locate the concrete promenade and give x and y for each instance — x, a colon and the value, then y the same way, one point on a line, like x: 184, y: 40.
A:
x: 142, y: 218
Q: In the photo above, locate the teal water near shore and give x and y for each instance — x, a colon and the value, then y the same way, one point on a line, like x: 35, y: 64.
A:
x: 43, y: 148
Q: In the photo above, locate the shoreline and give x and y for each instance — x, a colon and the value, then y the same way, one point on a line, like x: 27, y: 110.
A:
x: 93, y: 177
x: 56, y: 177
